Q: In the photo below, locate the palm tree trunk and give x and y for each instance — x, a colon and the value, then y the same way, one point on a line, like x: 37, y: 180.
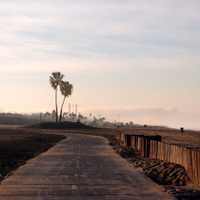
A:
x: 56, y: 104
x: 61, y: 109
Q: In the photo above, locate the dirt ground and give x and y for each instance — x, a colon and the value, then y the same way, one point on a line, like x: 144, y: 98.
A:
x: 173, y: 136
x: 17, y: 146
x: 187, y: 138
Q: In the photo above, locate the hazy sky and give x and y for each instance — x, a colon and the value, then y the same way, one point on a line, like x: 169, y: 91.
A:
x: 129, y: 59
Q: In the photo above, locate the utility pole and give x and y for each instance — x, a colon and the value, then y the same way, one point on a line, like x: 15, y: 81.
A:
x: 72, y: 108
x: 40, y: 118
x: 76, y: 109
x: 69, y: 108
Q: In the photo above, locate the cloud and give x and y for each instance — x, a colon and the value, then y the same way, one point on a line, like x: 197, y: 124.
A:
x: 37, y: 31
x: 147, y: 49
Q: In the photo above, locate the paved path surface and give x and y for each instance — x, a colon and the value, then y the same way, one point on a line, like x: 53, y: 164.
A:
x: 79, y: 168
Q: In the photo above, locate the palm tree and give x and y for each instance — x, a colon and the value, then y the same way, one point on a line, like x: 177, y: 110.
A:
x: 55, y: 80
x: 66, y: 90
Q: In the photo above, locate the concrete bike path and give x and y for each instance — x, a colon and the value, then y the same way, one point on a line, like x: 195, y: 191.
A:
x: 80, y: 168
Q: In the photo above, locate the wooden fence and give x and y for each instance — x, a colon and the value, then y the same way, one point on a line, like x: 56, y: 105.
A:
x: 152, y: 147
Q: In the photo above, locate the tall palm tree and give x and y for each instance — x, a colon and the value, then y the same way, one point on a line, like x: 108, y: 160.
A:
x: 66, y: 89
x: 55, y: 80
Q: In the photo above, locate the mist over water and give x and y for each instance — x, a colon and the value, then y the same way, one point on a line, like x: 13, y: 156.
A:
x: 154, y: 116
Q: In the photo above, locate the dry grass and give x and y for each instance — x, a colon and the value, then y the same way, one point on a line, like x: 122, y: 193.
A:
x: 17, y: 146
x: 172, y: 136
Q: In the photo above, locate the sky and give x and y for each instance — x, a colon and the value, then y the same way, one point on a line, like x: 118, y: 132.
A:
x: 130, y: 60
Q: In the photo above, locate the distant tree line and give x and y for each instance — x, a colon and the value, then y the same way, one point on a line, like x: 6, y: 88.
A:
x: 91, y: 120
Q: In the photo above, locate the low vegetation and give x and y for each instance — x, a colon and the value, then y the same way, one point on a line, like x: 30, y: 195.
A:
x: 188, y: 138
x: 61, y: 125
x: 18, y: 146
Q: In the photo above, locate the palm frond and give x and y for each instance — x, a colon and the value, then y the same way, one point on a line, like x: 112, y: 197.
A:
x: 55, y: 79
x: 66, y: 88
